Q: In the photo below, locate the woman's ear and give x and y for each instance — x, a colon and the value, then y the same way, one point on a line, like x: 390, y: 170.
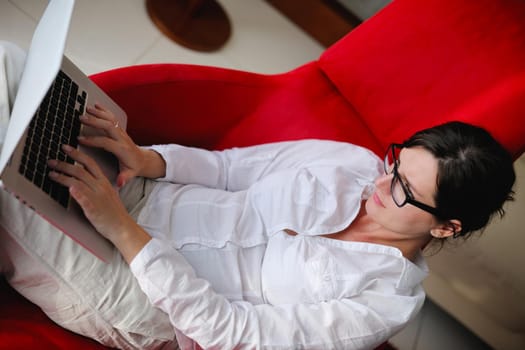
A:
x: 446, y: 229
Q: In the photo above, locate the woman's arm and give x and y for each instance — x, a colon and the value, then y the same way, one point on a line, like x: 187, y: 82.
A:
x: 232, y: 169
x: 154, y: 166
x: 362, y: 321
x: 238, y: 168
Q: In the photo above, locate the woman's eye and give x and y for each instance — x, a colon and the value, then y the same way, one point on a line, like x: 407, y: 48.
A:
x: 407, y: 186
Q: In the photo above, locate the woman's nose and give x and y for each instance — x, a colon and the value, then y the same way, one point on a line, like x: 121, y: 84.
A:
x: 384, y: 181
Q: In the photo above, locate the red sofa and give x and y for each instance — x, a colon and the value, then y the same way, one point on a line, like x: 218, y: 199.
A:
x: 413, y: 65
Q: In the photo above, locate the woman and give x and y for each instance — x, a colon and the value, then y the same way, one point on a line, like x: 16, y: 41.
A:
x: 311, y: 244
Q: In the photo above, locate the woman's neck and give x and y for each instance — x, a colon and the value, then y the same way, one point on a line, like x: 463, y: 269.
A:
x: 363, y: 229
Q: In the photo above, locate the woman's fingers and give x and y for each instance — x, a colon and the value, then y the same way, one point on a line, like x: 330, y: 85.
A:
x: 102, y: 142
x: 99, y: 118
x: 100, y: 112
x: 109, y: 124
x: 82, y: 158
x: 91, y: 189
x: 66, y: 173
x: 88, y: 165
x: 69, y: 181
x: 114, y: 140
x: 99, y: 123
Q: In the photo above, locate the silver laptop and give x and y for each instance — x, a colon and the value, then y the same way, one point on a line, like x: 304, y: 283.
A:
x: 52, y: 94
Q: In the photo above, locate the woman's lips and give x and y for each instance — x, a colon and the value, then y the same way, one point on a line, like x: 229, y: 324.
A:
x: 376, y: 199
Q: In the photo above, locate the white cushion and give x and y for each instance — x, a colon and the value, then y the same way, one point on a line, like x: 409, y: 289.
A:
x: 74, y: 288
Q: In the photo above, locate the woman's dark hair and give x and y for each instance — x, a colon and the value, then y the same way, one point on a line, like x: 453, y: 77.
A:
x: 475, y: 173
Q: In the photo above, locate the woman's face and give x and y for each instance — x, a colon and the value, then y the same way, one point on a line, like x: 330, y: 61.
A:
x: 418, y: 169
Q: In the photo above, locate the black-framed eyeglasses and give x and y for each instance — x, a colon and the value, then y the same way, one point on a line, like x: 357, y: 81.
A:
x: 399, y: 190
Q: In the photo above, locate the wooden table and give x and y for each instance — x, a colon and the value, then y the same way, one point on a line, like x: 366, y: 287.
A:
x: 200, y: 25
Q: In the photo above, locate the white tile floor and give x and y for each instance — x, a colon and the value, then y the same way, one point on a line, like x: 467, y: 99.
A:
x: 106, y: 34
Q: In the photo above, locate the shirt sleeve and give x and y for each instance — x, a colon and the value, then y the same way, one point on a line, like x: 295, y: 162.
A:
x: 238, y: 168
x: 213, y: 322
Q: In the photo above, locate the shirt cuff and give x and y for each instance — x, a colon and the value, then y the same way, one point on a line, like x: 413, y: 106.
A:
x: 161, y: 150
x: 151, y: 250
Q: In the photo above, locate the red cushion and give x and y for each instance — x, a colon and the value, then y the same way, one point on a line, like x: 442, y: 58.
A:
x: 419, y: 63
x: 24, y: 326
x: 219, y: 108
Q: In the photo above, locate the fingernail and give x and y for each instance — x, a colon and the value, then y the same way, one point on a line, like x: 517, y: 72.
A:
x: 53, y: 174
x: 67, y: 148
x: 52, y: 162
x: 83, y: 117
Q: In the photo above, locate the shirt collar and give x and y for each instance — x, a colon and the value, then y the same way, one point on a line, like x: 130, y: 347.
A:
x: 413, y: 272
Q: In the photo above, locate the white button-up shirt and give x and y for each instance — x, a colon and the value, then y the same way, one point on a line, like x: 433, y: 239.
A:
x: 222, y: 267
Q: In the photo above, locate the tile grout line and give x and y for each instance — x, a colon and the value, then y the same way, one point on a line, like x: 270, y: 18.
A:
x: 147, y: 49
x: 35, y: 20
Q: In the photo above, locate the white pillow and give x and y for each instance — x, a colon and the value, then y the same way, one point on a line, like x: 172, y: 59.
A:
x: 74, y: 288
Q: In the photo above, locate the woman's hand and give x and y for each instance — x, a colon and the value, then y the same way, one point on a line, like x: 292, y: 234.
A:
x: 133, y: 160
x: 92, y: 190
x: 100, y: 202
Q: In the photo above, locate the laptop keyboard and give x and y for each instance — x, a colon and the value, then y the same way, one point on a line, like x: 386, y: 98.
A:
x: 55, y: 123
